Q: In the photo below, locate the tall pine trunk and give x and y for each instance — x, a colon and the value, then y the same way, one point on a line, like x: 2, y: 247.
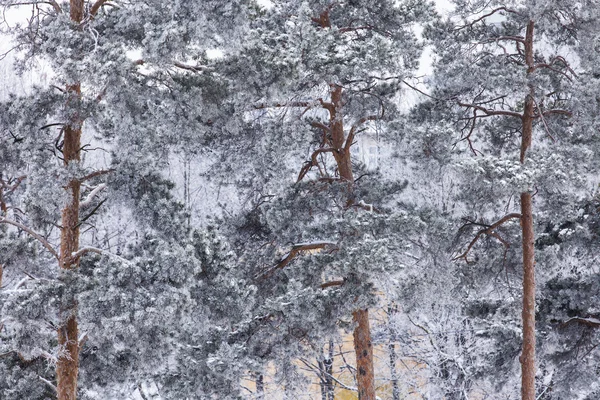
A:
x: 363, y: 348
x: 527, y: 358
x: 67, y: 366
x: 362, y: 334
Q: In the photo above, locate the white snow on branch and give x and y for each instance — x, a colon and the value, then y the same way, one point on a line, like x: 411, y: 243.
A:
x: 47, y: 382
x: 589, y: 321
x: 90, y: 197
x: 88, y: 249
x: 366, y: 206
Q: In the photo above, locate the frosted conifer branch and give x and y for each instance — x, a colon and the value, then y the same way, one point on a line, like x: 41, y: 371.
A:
x: 88, y: 249
x: 557, y: 59
x: 297, y: 249
x: 33, y: 234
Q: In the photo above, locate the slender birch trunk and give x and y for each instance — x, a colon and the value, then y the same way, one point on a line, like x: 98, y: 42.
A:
x: 260, y: 386
x: 329, y: 370
x: 392, y: 310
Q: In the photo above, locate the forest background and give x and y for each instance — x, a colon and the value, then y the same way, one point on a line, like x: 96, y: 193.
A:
x: 299, y: 199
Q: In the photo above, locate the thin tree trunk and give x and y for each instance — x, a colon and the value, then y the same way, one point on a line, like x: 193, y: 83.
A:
x: 527, y: 358
x: 326, y: 373
x: 260, y: 386
x: 329, y: 370
x: 392, y: 309
x: 322, y: 382
x: 67, y: 366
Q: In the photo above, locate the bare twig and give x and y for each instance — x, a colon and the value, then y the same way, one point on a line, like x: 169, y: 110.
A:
x: 488, y: 230
x: 313, y: 162
x: 487, y: 111
x: 546, y: 127
x: 339, y: 282
x: 494, y: 11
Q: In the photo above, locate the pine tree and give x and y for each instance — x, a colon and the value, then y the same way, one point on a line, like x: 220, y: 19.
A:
x: 326, y: 69
x: 83, y: 156
x: 500, y: 66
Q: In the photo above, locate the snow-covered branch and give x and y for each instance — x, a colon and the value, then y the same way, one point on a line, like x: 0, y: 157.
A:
x: 47, y: 382
x: 96, y: 7
x: 33, y: 234
x: 489, y: 14
x: 590, y: 321
x: 90, y: 197
x: 350, y: 139
x: 297, y: 249
x: 88, y: 249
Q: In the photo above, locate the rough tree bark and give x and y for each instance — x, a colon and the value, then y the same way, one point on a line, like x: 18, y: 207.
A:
x: 365, y: 373
x: 67, y: 366
x: 527, y: 358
